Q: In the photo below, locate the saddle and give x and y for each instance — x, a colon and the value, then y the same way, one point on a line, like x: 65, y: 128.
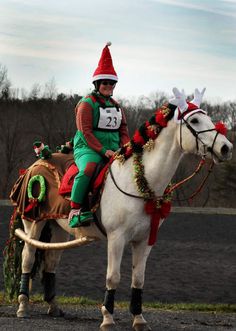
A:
x: 96, y: 183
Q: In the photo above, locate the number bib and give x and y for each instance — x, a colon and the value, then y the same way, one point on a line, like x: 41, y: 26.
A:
x: 110, y: 118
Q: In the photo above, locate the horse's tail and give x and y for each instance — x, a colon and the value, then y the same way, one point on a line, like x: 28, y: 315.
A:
x: 12, y: 258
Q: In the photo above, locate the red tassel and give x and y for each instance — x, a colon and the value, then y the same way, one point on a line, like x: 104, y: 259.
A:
x: 221, y: 128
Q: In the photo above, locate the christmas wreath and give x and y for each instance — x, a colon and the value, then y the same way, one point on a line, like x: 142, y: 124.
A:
x: 33, y: 201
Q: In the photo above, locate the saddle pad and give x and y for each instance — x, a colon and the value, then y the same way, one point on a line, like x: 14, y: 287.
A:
x: 68, y: 179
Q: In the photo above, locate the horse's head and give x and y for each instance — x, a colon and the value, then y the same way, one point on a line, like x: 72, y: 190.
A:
x: 196, y: 132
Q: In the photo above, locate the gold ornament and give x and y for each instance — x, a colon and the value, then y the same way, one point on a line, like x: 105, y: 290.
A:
x: 149, y: 145
x: 120, y: 158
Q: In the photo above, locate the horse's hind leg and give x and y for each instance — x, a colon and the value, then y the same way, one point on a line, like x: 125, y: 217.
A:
x: 33, y: 229
x: 140, y: 254
x: 52, y: 259
x: 115, y: 251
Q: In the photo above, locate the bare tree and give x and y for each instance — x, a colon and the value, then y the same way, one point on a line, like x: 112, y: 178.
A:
x: 35, y: 91
x: 50, y: 89
x: 13, y: 147
x: 5, y: 83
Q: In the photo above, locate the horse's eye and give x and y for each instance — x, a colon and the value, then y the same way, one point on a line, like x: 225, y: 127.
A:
x: 194, y: 121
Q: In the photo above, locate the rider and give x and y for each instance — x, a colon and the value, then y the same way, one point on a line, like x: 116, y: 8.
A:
x: 101, y: 130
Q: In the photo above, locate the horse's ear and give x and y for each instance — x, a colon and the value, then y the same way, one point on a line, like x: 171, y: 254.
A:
x: 179, y: 99
x: 197, y: 99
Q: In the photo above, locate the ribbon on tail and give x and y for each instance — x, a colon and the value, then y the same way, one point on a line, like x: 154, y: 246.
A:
x: 156, y: 214
x: 32, y: 203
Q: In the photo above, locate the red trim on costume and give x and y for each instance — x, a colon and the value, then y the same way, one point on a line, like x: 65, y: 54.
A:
x: 90, y: 168
x: 75, y: 205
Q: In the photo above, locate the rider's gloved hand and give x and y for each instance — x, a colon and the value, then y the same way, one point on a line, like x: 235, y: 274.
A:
x: 109, y: 153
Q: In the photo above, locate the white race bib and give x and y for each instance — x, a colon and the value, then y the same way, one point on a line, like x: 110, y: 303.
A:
x: 110, y: 118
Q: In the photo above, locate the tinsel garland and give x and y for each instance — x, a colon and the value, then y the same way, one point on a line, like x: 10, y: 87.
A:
x: 143, y: 188
x: 140, y: 179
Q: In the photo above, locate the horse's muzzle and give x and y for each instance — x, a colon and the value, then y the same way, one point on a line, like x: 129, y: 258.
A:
x: 224, y: 154
x: 226, y: 151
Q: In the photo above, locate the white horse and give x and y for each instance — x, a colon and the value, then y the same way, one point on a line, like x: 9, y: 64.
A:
x: 189, y: 130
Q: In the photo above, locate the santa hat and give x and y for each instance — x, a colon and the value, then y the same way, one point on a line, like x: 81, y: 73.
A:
x: 105, y: 69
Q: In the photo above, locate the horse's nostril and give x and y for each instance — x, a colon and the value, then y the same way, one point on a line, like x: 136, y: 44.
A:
x: 224, y: 150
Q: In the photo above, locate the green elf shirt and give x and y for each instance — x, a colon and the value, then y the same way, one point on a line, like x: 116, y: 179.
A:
x: 101, y: 125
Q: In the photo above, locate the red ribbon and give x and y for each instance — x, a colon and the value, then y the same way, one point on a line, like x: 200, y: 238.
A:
x: 33, y: 203
x: 156, y: 215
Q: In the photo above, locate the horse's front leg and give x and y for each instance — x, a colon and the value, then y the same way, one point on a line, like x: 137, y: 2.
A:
x: 115, y: 252
x: 140, y: 252
x: 28, y: 257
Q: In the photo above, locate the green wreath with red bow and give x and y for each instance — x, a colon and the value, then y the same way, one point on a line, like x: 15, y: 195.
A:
x: 34, y: 201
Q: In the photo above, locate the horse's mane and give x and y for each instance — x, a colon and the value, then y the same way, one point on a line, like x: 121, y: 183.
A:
x: 148, y: 131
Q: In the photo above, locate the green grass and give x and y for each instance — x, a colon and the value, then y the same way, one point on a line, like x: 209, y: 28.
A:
x: 83, y: 301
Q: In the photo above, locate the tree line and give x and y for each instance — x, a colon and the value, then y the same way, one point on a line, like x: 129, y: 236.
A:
x: 44, y: 114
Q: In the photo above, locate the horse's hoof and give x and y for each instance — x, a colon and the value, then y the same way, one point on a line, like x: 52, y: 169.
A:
x: 108, y: 327
x: 142, y: 328
x: 55, y: 312
x: 22, y: 313
x: 140, y: 324
x: 23, y: 310
x: 108, y: 322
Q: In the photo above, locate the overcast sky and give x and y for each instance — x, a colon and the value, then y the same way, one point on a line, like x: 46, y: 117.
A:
x: 156, y: 44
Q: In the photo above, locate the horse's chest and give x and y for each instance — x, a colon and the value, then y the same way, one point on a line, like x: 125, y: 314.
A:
x: 140, y: 230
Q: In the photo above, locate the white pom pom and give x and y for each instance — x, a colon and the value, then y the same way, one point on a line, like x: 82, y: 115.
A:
x: 109, y: 43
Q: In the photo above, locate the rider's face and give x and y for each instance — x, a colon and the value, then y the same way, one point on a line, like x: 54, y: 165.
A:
x: 106, y: 87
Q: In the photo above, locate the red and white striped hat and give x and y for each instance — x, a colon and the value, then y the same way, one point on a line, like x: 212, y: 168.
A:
x: 105, y: 69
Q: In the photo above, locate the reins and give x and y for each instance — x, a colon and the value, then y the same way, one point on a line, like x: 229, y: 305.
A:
x: 198, y: 190
x: 126, y: 193
x: 174, y: 186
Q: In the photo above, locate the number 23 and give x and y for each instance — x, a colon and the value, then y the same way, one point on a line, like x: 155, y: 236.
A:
x: 112, y: 122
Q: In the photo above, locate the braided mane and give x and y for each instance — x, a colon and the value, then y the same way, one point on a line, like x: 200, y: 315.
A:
x: 147, y: 132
